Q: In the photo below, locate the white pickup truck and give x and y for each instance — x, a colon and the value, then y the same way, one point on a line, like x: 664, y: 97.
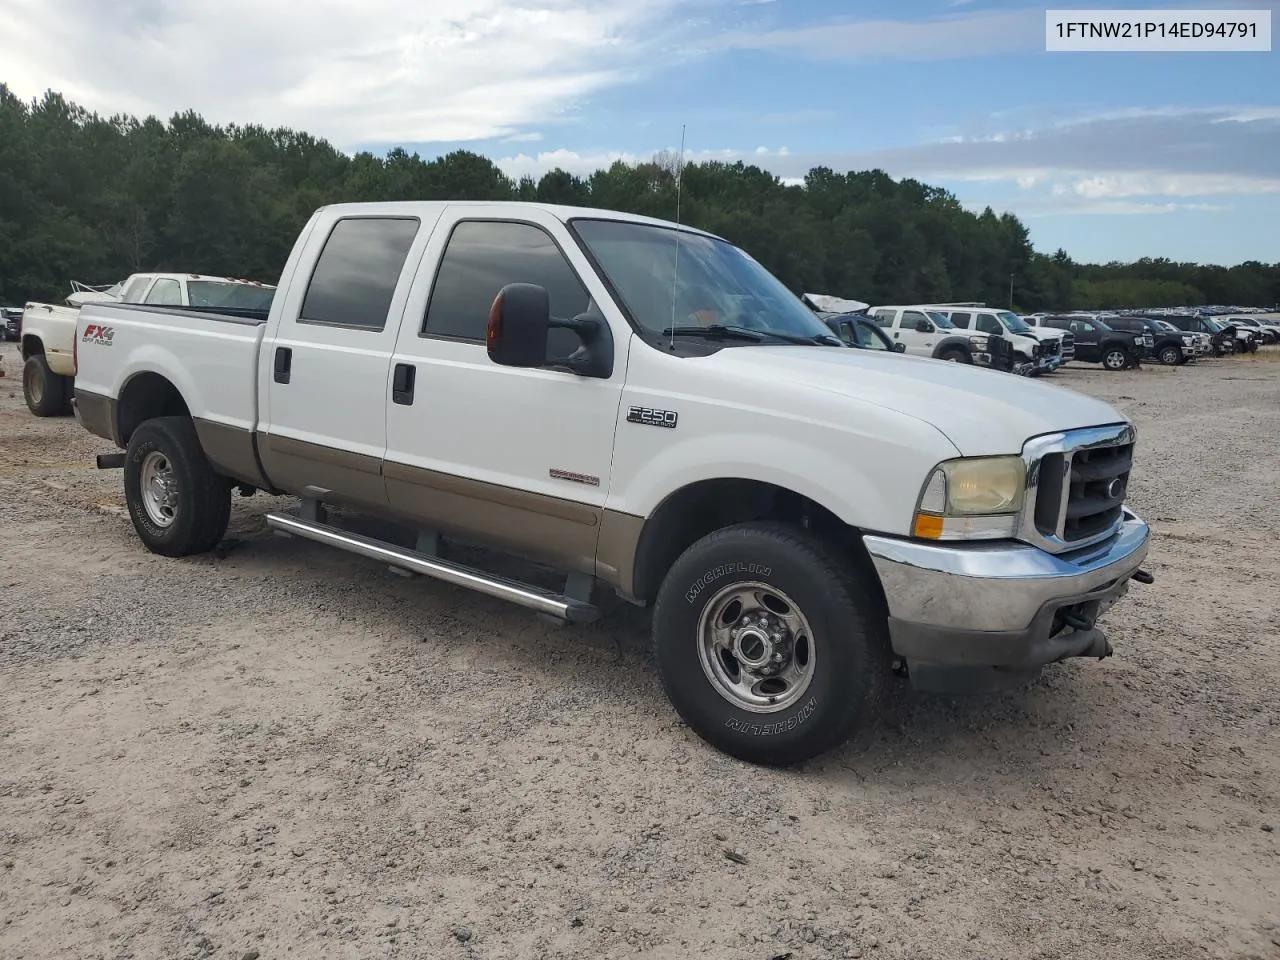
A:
x: 641, y: 407
x: 48, y: 329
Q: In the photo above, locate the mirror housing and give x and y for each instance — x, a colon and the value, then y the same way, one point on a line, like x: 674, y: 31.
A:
x: 519, y: 322
x: 899, y: 348
x: 924, y: 326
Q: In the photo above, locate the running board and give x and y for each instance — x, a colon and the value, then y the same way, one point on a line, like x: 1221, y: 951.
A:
x: 523, y: 594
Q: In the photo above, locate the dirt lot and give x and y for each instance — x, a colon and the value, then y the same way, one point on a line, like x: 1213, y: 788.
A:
x: 284, y: 750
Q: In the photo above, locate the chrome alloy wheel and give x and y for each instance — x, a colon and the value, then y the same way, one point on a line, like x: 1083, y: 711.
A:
x: 756, y: 647
x: 159, y: 488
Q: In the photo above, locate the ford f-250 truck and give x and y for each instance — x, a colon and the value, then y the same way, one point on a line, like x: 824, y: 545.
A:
x: 644, y: 408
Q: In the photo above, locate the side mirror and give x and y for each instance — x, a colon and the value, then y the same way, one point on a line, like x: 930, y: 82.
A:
x: 924, y: 326
x: 899, y: 347
x: 519, y: 320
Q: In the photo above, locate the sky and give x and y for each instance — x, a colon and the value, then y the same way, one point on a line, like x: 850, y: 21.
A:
x: 1111, y: 156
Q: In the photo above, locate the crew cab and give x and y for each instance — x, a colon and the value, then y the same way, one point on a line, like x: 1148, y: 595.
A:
x: 642, y: 408
x: 1056, y: 347
x: 1096, y: 342
x: 929, y: 334
x: 1171, y: 347
x: 48, y: 329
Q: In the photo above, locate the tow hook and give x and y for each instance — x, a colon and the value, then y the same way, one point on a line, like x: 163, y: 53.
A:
x: 1143, y: 577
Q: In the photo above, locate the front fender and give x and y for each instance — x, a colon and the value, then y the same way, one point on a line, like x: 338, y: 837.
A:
x: 868, y: 481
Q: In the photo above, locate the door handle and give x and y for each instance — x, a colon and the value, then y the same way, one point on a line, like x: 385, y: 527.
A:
x: 283, y: 364
x: 402, y: 383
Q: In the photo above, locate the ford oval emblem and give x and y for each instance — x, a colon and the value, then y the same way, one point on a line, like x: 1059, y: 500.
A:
x: 1115, y: 488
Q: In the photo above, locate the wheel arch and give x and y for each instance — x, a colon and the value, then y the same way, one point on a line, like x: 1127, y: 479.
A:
x: 144, y: 396
x: 704, y: 506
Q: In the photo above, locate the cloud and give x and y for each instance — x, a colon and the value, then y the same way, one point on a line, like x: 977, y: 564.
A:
x: 355, y: 71
x: 1173, y: 154
x: 953, y: 36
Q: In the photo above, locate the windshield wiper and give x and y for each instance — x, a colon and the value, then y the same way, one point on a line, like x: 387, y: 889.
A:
x: 715, y: 331
x: 722, y: 331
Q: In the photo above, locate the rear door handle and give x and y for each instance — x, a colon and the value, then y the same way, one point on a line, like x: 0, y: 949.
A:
x: 402, y: 384
x: 283, y: 364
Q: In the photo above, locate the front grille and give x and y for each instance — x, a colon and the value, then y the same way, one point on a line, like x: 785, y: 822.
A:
x: 1051, y: 348
x: 1099, y: 478
x: 1076, y: 486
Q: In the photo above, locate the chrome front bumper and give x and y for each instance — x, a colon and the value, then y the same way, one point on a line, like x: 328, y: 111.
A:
x: 1000, y: 605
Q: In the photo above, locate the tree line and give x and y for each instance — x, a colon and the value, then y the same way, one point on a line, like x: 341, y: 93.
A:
x: 92, y: 198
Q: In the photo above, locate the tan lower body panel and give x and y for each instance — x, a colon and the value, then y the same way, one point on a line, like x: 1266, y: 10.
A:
x: 562, y: 533
x: 558, y: 532
x: 311, y: 469
x: 231, y: 451
x: 97, y: 414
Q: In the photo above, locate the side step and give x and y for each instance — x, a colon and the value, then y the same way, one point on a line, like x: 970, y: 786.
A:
x: 522, y: 594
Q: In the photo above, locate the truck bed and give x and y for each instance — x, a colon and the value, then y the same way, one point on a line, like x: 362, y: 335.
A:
x: 214, y: 353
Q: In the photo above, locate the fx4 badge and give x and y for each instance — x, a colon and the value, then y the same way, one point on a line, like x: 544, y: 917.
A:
x: 97, y: 333
x: 652, y: 418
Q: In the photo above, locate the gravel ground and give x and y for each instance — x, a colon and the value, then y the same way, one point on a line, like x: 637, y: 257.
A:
x: 282, y: 749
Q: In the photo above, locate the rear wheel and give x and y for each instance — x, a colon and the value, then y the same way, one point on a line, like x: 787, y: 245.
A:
x: 44, y: 390
x: 1116, y: 358
x: 178, y: 505
x: 770, y: 645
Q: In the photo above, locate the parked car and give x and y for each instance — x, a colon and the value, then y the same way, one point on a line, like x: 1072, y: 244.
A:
x: 11, y: 323
x: 1170, y: 346
x: 1221, y: 340
x: 48, y: 329
x: 1264, y: 333
x: 799, y: 516
x: 1201, y: 343
x: 1056, y: 346
x: 1098, y: 343
x: 859, y: 330
x: 929, y: 334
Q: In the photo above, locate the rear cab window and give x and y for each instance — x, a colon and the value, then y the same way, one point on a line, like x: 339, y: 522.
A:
x: 357, y: 272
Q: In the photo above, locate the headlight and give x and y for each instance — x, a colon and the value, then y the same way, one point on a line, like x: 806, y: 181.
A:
x: 974, y: 498
x: 979, y: 342
x: 1188, y: 340
x: 1137, y: 339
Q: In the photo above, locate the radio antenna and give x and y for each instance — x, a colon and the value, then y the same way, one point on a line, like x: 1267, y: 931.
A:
x: 675, y: 277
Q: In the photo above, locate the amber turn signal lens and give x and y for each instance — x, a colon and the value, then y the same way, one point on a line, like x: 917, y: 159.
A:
x: 928, y: 526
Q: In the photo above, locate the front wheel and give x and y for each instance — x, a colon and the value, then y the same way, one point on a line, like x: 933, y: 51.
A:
x: 956, y: 356
x: 178, y: 505
x: 1116, y: 358
x: 1170, y: 356
x: 769, y: 645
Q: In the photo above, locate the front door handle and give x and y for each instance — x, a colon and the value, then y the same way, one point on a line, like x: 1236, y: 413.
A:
x: 402, y: 384
x: 283, y: 364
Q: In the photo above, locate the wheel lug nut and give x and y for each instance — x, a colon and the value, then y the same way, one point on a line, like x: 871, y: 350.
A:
x: 777, y: 658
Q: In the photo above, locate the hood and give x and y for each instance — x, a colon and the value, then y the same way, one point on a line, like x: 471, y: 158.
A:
x: 1043, y: 333
x: 981, y: 411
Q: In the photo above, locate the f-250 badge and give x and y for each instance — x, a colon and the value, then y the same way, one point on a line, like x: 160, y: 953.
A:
x: 97, y: 333
x: 652, y: 418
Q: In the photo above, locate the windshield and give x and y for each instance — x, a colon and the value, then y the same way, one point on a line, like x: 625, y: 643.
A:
x: 1213, y: 325
x: 713, y: 283
x: 1014, y: 323
x: 941, y: 320
x: 219, y: 293
x: 1166, y: 326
